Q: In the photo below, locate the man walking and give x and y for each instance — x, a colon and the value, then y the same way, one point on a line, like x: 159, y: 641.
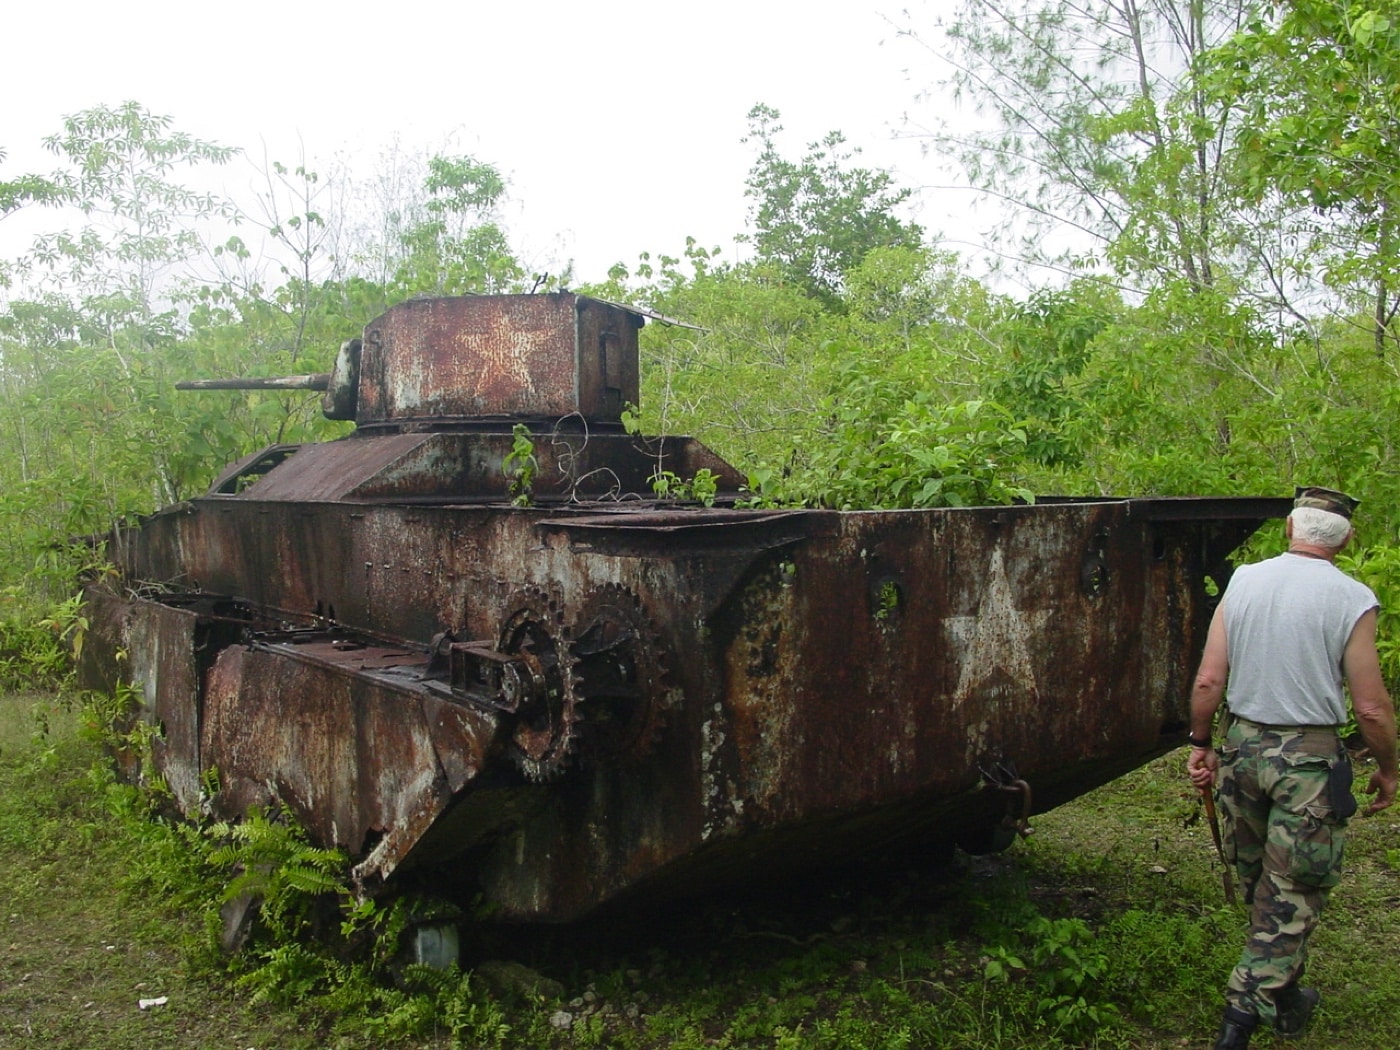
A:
x: 1286, y: 633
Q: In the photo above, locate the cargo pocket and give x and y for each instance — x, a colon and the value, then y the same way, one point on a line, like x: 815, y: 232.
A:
x: 1227, y: 757
x: 1315, y: 854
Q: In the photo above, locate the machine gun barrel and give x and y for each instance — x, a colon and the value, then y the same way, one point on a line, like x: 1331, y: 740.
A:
x: 315, y: 381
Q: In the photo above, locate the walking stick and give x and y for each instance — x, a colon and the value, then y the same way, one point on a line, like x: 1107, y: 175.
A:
x: 1209, y: 797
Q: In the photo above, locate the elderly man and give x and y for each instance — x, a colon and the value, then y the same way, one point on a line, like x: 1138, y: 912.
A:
x: 1286, y: 633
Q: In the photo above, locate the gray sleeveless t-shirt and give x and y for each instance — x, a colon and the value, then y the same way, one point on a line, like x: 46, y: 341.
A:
x: 1287, y: 622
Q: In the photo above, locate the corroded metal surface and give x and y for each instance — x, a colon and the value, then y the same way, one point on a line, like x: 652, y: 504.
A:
x: 347, y: 737
x: 465, y: 468
x: 542, y: 356
x: 841, y: 676
x: 569, y: 705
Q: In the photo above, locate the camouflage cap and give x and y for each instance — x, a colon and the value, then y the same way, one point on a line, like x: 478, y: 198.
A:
x: 1325, y: 499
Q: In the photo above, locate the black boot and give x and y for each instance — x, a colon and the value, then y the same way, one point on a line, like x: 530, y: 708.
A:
x: 1295, y: 1006
x: 1235, y: 1029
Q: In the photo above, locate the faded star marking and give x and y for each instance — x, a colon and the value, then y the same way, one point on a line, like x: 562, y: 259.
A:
x: 996, y: 638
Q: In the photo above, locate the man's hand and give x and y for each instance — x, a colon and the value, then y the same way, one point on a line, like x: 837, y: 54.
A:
x: 1201, y: 766
x: 1382, y: 785
x: 1375, y: 714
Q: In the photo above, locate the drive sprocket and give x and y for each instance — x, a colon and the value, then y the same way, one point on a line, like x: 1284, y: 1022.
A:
x: 622, y: 666
x: 543, y: 681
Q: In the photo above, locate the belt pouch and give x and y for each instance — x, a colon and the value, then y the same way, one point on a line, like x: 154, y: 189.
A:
x: 1339, y: 787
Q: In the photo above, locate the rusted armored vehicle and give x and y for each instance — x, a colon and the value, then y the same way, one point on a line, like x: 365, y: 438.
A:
x: 579, y: 695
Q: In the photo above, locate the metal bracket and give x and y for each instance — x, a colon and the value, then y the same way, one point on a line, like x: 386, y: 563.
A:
x: 1004, y: 778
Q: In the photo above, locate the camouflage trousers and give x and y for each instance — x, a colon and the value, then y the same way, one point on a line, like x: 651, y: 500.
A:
x: 1286, y: 844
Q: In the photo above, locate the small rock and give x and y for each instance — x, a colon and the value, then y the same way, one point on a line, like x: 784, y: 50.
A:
x: 238, y: 918
x: 1157, y: 869
x: 576, y: 1003
x: 859, y: 966
x: 631, y: 1010
x: 561, y: 1019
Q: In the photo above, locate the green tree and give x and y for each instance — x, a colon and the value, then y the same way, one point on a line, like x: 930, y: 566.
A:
x: 94, y: 313
x: 1048, y: 340
x: 1316, y: 82
x: 17, y: 192
x: 431, y: 226
x: 137, y: 221
x: 742, y: 371
x: 815, y: 218
x: 1097, y: 134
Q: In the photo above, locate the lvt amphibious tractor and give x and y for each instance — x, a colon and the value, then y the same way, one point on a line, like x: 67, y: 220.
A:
x: 488, y: 659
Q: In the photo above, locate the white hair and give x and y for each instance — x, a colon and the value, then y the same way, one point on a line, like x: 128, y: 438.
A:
x: 1319, y: 527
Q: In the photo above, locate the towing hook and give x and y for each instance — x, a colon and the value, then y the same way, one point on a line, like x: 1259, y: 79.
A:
x: 1004, y: 778
x: 1021, y: 821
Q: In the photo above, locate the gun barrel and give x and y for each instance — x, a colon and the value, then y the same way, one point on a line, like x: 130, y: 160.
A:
x: 315, y: 381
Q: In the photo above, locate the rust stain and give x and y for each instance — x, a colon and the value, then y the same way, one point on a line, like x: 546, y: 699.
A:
x: 505, y: 354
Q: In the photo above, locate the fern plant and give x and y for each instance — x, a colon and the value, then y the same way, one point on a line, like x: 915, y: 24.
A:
x: 274, y: 863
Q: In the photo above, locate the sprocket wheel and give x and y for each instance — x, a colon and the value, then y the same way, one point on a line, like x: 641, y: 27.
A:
x: 542, y: 677
x: 621, y: 663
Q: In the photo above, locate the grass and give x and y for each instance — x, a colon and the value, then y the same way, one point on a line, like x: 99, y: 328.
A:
x: 84, y: 936
x: 1107, y: 928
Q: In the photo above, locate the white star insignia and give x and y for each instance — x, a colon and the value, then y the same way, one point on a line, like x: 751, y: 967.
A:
x: 994, y: 644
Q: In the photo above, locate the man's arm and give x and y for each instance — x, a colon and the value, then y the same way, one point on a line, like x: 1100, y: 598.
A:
x: 1206, y: 695
x: 1375, y: 714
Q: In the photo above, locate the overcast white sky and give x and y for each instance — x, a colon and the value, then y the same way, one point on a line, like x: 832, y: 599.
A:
x: 616, y: 122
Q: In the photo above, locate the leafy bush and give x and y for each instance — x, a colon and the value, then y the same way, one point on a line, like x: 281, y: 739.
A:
x: 1379, y: 568
x: 1066, y: 967
x: 892, y: 446
x: 38, y: 643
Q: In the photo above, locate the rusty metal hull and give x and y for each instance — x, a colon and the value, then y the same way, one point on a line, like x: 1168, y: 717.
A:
x: 800, y: 686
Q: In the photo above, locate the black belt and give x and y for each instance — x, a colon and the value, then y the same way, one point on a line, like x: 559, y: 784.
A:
x: 1296, y: 728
